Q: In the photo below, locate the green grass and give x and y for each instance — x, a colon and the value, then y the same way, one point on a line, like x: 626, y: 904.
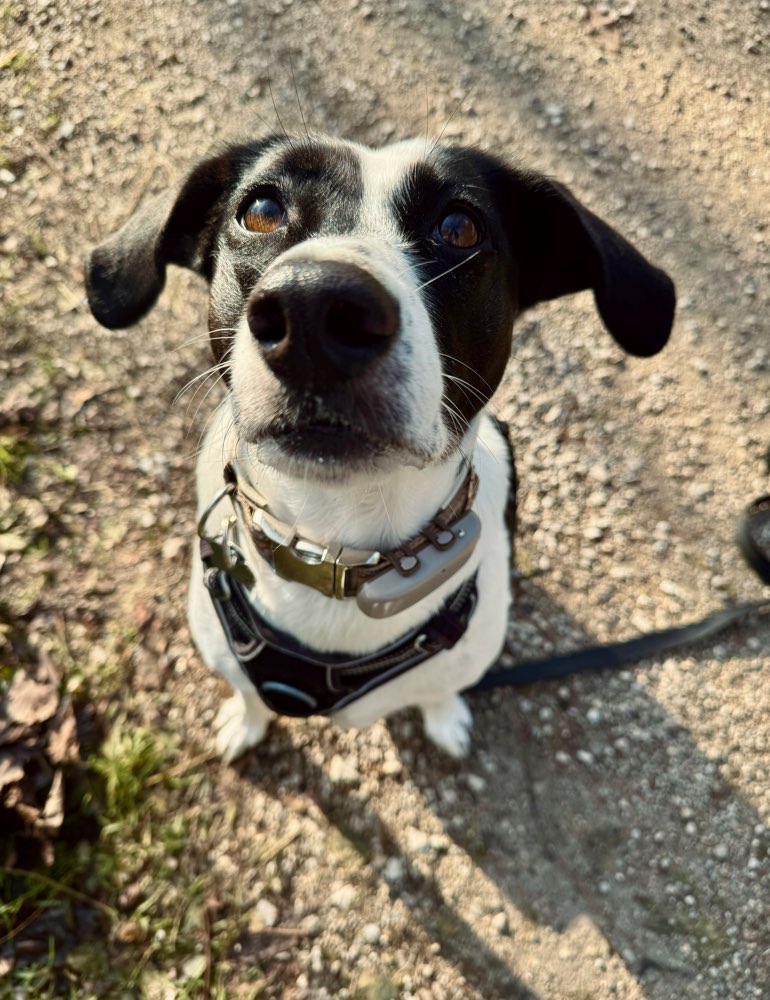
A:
x: 16, y: 60
x: 132, y: 787
x: 14, y: 457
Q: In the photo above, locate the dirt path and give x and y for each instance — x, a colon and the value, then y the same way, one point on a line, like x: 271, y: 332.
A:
x: 607, y: 838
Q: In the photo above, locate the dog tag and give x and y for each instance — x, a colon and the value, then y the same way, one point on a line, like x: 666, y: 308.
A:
x: 391, y: 592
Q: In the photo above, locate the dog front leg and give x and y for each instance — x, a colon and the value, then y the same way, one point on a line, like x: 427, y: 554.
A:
x: 448, y: 724
x: 243, y: 719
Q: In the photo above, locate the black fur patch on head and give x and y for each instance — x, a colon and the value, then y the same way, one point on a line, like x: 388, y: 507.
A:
x: 537, y: 242
x: 470, y: 293
x: 320, y: 187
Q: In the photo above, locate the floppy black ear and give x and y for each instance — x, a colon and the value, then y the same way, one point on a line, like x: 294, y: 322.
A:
x: 564, y: 248
x: 126, y: 274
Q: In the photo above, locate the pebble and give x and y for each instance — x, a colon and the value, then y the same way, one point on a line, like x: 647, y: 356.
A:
x: 394, y: 869
x: 500, y: 923
x: 343, y: 771
x: 391, y: 766
x: 475, y: 782
x: 312, y: 924
x: 371, y: 933
x: 601, y: 473
x: 267, y: 911
x: 699, y: 491
x: 417, y: 841
x: 721, y: 852
x: 343, y: 897
x: 173, y: 547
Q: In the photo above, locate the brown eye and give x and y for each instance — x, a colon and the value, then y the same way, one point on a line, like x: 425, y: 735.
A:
x: 263, y: 215
x: 459, y: 230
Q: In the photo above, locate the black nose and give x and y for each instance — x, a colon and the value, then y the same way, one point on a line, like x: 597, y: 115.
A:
x: 321, y: 320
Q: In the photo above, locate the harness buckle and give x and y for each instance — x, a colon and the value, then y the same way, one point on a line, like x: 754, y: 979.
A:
x: 217, y: 584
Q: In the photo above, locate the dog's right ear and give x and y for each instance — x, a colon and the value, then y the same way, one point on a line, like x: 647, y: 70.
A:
x: 126, y: 274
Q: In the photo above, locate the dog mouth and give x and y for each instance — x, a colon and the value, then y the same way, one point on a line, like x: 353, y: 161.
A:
x: 324, y: 439
x: 330, y: 446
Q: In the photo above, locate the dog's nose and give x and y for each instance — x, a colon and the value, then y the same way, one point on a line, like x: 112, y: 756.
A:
x: 324, y: 319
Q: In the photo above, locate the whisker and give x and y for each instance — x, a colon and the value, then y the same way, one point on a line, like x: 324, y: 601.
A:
x: 229, y: 428
x: 296, y: 91
x: 457, y: 361
x: 201, y: 336
x: 459, y: 422
x: 448, y: 271
x: 474, y: 391
x: 197, y: 378
x: 449, y: 120
x: 387, y: 512
x: 199, y: 446
x: 210, y: 389
x: 275, y: 106
x: 222, y: 367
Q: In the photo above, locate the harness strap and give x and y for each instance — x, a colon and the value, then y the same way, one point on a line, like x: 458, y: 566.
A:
x: 293, y: 679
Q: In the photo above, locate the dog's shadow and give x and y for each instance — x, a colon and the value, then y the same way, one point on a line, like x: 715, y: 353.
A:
x: 553, y: 813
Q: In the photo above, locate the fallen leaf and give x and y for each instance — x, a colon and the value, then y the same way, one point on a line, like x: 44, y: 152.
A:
x: 10, y: 542
x: 11, y: 771
x: 63, y: 745
x: 52, y: 815
x: 30, y: 702
x: 12, y: 732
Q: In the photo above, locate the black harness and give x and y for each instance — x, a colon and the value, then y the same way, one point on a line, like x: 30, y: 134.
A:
x: 294, y: 680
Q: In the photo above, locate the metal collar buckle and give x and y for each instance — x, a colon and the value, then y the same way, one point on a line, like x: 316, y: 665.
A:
x: 322, y: 567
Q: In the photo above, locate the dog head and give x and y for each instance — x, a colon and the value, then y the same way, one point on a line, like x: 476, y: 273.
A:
x: 362, y: 301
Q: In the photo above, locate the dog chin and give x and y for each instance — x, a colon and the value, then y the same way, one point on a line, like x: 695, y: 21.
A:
x: 333, y: 454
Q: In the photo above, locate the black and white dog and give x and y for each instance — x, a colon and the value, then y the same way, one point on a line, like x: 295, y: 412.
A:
x: 362, y: 304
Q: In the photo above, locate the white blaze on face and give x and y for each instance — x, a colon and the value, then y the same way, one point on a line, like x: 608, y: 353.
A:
x: 377, y: 245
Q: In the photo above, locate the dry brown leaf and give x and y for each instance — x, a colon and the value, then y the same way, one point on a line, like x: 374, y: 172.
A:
x: 63, y: 745
x: 13, y: 732
x: 30, y: 702
x: 52, y: 815
x: 13, y: 542
x: 29, y: 814
x: 11, y: 771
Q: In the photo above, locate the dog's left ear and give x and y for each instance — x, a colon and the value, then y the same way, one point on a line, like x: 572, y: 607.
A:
x: 562, y: 247
x: 126, y: 274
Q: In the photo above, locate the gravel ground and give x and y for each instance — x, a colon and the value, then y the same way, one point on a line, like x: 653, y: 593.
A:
x: 607, y: 837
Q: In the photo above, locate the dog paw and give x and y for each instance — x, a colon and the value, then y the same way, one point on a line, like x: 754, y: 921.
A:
x: 241, y: 723
x: 448, y: 724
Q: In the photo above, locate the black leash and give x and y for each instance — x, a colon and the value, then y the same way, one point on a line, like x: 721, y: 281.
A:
x: 754, y: 542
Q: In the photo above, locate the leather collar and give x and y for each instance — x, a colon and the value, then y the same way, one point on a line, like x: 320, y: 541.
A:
x: 383, y: 582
